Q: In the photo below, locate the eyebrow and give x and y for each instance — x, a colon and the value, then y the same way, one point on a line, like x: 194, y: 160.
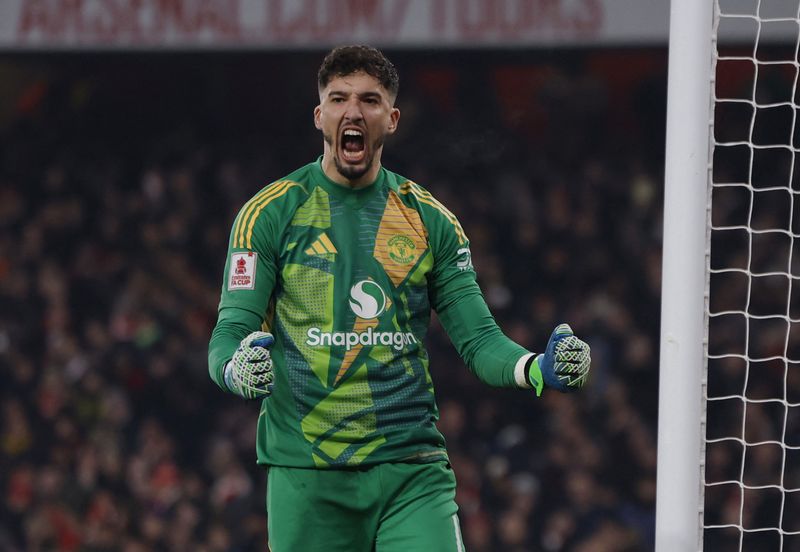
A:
x: 362, y: 95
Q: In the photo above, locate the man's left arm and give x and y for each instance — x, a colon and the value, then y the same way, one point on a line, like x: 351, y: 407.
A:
x: 489, y: 353
x: 479, y: 341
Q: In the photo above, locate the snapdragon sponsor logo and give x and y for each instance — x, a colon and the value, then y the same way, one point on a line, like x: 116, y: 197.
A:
x: 368, y: 301
x: 396, y: 340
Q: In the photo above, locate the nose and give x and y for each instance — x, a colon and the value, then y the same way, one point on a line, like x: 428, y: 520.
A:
x: 353, y: 110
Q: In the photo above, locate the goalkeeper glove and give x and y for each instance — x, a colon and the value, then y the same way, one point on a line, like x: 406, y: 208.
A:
x: 249, y: 372
x: 564, y: 365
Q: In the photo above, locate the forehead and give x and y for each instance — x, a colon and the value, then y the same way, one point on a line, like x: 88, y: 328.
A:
x: 357, y: 83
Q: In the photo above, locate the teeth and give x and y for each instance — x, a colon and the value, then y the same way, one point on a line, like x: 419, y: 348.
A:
x: 351, y: 132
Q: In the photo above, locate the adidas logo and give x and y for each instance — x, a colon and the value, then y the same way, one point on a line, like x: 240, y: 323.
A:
x: 321, y: 245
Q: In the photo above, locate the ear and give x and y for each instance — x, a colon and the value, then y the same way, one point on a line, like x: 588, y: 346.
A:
x: 317, y: 116
x: 394, y: 117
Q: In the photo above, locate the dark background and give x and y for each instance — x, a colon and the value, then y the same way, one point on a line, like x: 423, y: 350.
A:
x: 120, y: 175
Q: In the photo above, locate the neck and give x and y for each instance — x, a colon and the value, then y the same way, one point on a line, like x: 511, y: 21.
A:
x: 330, y: 170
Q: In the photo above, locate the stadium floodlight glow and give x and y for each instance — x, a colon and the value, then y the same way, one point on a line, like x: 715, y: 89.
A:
x: 729, y: 412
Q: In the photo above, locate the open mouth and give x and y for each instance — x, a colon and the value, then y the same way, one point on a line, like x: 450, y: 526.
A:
x: 353, y: 149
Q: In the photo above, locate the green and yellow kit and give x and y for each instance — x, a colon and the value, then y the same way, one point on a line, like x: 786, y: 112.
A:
x: 346, y: 281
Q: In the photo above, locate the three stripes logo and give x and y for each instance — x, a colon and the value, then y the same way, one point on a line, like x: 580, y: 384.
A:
x: 321, y: 246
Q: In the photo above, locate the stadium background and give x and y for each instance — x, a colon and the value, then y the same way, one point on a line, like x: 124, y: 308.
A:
x: 120, y: 174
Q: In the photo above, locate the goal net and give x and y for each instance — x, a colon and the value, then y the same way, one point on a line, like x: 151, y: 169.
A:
x: 751, y: 475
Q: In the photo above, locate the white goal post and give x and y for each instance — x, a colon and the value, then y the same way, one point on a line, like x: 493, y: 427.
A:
x: 678, y: 495
x: 729, y: 396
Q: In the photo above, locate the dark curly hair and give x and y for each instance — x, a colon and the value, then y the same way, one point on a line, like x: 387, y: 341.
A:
x: 346, y: 60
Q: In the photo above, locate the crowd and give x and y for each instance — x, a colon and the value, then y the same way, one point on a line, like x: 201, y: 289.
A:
x: 119, y: 179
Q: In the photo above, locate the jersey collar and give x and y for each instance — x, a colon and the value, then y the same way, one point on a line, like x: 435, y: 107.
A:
x: 354, y: 198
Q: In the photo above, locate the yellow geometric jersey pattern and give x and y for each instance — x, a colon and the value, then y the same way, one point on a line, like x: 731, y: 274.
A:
x: 243, y: 228
x: 359, y: 326
x: 401, y: 239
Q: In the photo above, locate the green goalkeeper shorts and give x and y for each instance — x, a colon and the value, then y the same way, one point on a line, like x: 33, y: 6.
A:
x: 383, y: 508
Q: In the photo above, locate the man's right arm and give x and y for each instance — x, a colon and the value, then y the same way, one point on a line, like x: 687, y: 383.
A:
x: 248, y: 279
x: 233, y: 325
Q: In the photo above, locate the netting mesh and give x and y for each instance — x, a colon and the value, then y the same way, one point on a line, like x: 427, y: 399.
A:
x: 752, y: 446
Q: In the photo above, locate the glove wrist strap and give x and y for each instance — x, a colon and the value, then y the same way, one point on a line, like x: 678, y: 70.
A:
x: 521, y: 371
x: 227, y: 376
x: 528, y: 374
x: 534, y: 373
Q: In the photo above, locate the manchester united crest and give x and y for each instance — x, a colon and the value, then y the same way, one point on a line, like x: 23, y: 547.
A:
x: 402, y: 249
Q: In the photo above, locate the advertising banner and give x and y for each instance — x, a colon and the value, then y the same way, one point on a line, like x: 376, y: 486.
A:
x: 293, y: 24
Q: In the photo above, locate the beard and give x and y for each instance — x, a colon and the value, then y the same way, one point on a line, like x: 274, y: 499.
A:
x: 354, y: 172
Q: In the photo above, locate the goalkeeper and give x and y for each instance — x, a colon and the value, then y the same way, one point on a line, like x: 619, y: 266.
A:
x: 330, y: 279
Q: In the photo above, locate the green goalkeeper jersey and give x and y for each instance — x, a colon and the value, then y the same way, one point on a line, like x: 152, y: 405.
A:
x: 346, y: 281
